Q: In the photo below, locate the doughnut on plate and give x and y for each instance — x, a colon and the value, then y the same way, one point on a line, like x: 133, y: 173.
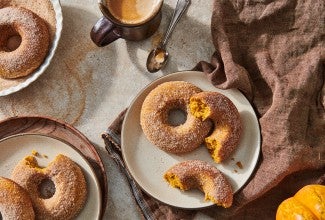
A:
x: 9, y: 86
x: 14, y: 148
x: 147, y: 163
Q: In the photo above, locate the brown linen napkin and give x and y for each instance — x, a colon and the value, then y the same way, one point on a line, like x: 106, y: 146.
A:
x: 273, y: 51
x: 150, y: 208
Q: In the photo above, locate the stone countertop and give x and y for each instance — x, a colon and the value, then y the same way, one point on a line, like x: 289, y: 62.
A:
x: 88, y: 86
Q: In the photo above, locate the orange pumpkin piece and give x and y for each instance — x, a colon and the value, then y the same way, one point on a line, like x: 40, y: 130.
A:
x: 307, y: 204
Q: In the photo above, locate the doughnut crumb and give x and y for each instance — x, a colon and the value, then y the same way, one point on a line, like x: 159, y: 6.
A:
x: 35, y: 153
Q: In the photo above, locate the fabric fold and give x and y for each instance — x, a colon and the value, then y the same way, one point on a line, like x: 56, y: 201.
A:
x: 273, y: 52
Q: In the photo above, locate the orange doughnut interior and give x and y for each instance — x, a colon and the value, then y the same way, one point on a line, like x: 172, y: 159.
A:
x: 199, y: 109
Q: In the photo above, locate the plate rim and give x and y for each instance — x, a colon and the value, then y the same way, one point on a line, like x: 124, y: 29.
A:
x: 47, y: 60
x: 76, y: 150
x: 209, y: 204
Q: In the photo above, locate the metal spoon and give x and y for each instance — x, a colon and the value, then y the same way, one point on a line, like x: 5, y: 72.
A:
x: 158, y: 57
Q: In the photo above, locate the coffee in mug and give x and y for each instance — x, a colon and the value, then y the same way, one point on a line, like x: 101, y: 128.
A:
x: 133, y: 11
x: 133, y: 20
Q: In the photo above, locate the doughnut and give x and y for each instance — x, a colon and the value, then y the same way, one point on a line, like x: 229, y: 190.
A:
x: 225, y: 136
x: 154, y: 118
x: 15, y: 202
x: 35, y: 40
x: 70, y: 186
x: 196, y: 174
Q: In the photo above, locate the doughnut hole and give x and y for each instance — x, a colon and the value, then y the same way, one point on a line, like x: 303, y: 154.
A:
x: 175, y: 113
x: 13, y: 42
x: 176, y: 117
x: 10, y: 38
x: 46, y: 188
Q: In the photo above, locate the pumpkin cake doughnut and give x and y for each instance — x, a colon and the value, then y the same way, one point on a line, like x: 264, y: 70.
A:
x: 154, y: 118
x: 227, y: 130
x: 15, y: 202
x: 196, y: 174
x: 70, y: 186
x: 35, y: 40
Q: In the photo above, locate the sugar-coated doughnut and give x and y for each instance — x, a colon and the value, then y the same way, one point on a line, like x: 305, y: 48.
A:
x: 70, y: 186
x: 227, y: 123
x: 154, y: 118
x: 196, y: 174
x: 15, y: 202
x: 34, y: 44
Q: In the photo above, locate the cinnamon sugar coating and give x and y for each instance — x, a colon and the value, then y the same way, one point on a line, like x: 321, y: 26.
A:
x: 35, y: 40
x: 70, y: 186
x: 154, y: 118
x: 15, y: 202
x: 227, y: 123
x: 196, y: 174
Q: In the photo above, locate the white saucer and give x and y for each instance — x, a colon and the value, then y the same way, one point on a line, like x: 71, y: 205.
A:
x: 147, y: 163
x: 15, y: 148
x: 20, y: 83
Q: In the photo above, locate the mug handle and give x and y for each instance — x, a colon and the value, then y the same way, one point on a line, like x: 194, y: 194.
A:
x: 104, y: 32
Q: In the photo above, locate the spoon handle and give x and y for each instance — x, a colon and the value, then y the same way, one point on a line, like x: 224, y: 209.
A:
x: 181, y: 6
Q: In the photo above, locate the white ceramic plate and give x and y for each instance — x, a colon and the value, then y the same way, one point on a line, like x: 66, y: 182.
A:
x: 25, y: 81
x: 15, y: 148
x: 147, y: 163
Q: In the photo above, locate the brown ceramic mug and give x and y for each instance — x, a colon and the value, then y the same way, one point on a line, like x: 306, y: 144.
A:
x: 128, y: 19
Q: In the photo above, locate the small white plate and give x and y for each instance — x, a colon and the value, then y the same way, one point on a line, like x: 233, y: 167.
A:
x: 147, y: 163
x: 15, y: 148
x: 20, y: 83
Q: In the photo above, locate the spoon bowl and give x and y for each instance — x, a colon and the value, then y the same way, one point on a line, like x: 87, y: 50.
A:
x: 158, y: 57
